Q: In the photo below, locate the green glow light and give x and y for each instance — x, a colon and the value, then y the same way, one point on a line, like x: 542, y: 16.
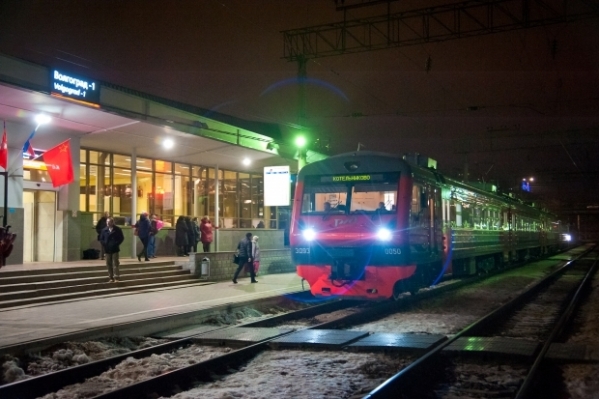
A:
x: 300, y: 141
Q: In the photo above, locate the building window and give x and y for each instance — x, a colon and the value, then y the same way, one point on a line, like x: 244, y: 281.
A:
x: 171, y: 190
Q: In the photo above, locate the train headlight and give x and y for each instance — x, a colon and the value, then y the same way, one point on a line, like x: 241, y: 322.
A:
x: 384, y: 234
x: 567, y: 237
x: 309, y: 234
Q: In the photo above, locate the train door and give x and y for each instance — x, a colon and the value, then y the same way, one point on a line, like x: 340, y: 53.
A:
x: 426, y: 240
x: 436, y: 221
x: 39, y: 226
x: 508, y: 234
x: 419, y: 224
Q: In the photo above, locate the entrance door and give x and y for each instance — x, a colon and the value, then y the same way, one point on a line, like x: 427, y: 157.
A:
x: 39, y: 226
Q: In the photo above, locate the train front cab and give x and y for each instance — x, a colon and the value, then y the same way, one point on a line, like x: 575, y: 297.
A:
x: 357, y: 248
x: 361, y: 252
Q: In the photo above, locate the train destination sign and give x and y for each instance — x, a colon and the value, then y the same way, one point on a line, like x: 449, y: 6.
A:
x: 71, y: 86
x: 351, y: 178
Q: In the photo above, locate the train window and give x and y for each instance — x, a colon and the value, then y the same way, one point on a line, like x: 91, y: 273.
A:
x: 316, y: 198
x: 476, y: 217
x: 416, y: 202
x: 456, y: 213
x: 467, y: 215
x: 373, y: 197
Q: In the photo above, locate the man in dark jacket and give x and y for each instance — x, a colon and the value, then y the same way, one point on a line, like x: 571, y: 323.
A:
x: 111, y: 239
x: 244, y: 250
x: 143, y: 226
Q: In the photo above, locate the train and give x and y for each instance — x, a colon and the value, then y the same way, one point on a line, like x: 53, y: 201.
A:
x: 369, y: 225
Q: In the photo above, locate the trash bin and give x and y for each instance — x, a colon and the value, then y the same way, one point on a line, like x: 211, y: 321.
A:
x: 205, y: 268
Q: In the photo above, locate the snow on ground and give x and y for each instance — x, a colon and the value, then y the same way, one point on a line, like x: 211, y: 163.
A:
x: 302, y: 374
x: 70, y: 354
x: 131, y: 370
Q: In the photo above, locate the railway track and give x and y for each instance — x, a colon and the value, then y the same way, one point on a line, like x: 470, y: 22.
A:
x: 358, y: 312
x: 41, y: 385
x: 186, y: 377
x: 543, y: 311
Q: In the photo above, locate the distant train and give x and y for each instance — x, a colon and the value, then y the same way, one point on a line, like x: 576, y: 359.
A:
x: 369, y: 225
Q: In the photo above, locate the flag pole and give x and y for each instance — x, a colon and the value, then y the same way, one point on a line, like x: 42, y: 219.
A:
x: 5, y: 174
x: 5, y: 218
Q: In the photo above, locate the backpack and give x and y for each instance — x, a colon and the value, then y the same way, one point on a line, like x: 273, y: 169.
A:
x: 91, y: 254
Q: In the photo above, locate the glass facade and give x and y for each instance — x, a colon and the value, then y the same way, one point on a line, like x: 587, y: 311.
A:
x: 171, y: 190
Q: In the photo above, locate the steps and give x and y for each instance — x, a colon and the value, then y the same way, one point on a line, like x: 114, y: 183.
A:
x: 28, y: 287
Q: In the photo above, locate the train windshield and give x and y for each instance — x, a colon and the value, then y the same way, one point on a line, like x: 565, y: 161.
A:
x: 350, y: 193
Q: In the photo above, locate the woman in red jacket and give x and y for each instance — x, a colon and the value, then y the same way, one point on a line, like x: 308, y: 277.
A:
x: 206, y: 235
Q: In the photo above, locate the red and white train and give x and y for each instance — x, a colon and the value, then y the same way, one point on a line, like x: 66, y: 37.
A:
x: 372, y: 226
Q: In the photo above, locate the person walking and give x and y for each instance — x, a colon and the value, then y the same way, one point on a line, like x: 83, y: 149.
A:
x: 152, y: 238
x: 255, y: 255
x: 143, y: 232
x: 244, y: 249
x: 112, y: 237
x: 100, y: 226
x: 181, y: 236
x: 206, y: 233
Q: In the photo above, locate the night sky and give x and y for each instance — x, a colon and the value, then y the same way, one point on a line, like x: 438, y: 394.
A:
x: 509, y: 105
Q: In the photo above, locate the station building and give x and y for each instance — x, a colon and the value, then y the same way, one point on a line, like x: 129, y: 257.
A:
x: 215, y: 165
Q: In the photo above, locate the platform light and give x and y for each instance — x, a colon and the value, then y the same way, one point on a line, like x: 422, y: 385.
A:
x: 246, y: 161
x: 42, y: 119
x: 168, y: 143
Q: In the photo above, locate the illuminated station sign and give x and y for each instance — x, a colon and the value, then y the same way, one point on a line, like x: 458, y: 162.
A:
x: 277, y: 186
x: 65, y: 84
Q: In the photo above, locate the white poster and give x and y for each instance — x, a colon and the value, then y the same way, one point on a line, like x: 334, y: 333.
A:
x: 277, y: 186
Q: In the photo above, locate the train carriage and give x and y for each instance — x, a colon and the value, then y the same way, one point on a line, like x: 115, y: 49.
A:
x: 371, y: 225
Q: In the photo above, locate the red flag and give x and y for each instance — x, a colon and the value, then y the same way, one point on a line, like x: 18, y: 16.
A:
x: 59, y: 164
x: 4, y: 151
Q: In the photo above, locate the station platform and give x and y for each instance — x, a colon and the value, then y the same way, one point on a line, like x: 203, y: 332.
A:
x: 63, y: 319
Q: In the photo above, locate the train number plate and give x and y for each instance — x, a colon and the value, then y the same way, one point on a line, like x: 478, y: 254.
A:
x: 392, y: 251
